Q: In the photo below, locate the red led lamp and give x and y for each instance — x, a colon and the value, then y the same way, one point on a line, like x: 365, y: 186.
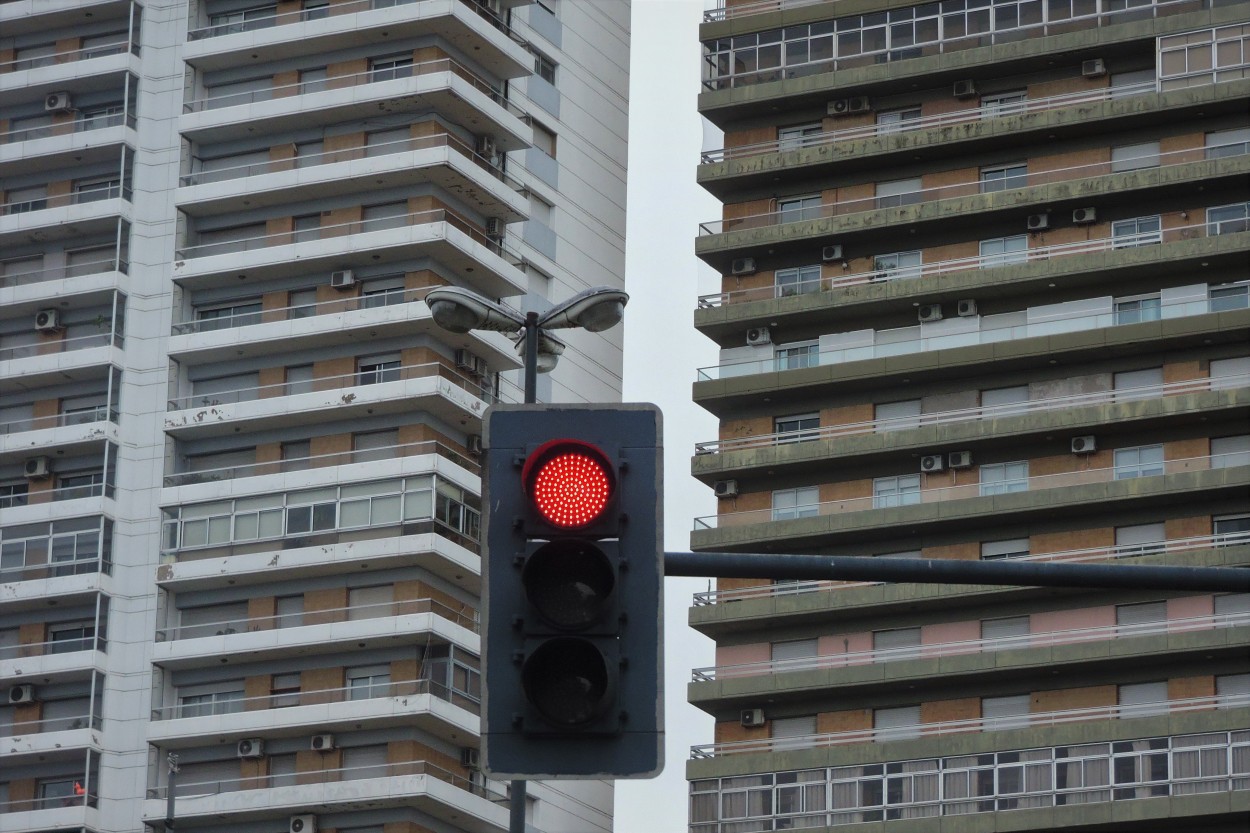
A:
x: 569, y: 482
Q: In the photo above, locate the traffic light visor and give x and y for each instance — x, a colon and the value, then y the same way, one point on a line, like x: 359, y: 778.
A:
x: 569, y: 483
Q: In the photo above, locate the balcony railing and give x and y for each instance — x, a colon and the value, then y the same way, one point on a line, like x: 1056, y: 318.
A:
x: 794, y: 588
x: 101, y: 413
x: 50, y: 724
x: 1034, y: 483
x: 65, y: 345
x: 353, y: 613
x: 290, y: 313
x: 318, y: 696
x: 974, y: 114
x: 312, y: 160
x: 76, y: 270
x: 729, y: 9
x: 416, y: 218
x: 984, y: 412
x: 439, y: 65
x: 269, y: 21
x: 100, y: 50
x: 55, y: 646
x: 49, y: 802
x: 965, y: 264
x: 1060, y: 321
x: 86, y: 195
x: 1013, y: 184
x: 327, y: 776
x: 28, y: 134
x: 971, y: 646
x: 979, y: 724
x: 55, y: 569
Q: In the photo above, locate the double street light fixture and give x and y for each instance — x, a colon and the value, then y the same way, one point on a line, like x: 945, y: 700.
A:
x: 462, y: 310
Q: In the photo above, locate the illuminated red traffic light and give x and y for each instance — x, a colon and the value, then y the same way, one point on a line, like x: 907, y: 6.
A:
x: 570, y: 483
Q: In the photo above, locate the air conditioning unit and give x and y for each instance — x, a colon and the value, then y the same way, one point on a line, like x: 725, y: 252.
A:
x: 959, y: 459
x: 1094, y: 68
x: 966, y: 308
x: 38, y: 468
x: 495, y: 227
x: 485, y: 146
x: 742, y: 266
x: 752, y: 718
x: 1084, y: 445
x: 466, y: 360
x: 725, y: 488
x: 1084, y: 216
x: 474, y: 443
x: 929, y: 312
x: 251, y: 748
x: 849, y: 106
x: 965, y: 89
x: 321, y: 743
x: 470, y: 758
x: 833, y: 252
x: 758, y: 335
x: 343, y: 279
x: 19, y: 694
x: 47, y: 320
x: 1039, y: 222
x: 931, y: 463
x: 58, y: 102
x: 303, y: 823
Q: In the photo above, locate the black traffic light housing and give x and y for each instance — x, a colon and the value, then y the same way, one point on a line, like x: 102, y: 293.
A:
x: 573, y: 582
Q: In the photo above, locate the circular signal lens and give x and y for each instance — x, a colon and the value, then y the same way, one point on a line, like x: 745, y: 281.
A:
x: 567, y: 681
x: 569, y: 583
x: 571, y: 488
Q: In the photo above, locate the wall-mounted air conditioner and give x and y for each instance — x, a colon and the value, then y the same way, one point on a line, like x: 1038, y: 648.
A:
x: 495, y: 227
x: 725, y: 488
x: 321, y: 743
x: 19, y: 694
x: 965, y: 89
x: 931, y: 463
x: 929, y: 312
x: 303, y: 823
x: 759, y: 335
x: 343, y: 279
x: 1094, y: 68
x: 251, y: 748
x: 474, y: 443
x: 849, y: 106
x: 58, y: 102
x: 966, y: 308
x: 37, y: 468
x: 485, y: 146
x: 832, y: 252
x: 742, y: 266
x: 470, y: 758
x: 1084, y: 445
x: 959, y: 459
x: 1038, y: 222
x: 48, y: 320
x: 1084, y: 216
x: 752, y: 718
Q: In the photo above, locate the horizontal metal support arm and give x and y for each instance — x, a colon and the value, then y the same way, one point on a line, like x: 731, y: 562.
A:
x: 934, y: 571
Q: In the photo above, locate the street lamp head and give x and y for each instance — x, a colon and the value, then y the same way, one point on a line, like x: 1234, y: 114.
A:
x: 461, y: 310
x: 596, y: 309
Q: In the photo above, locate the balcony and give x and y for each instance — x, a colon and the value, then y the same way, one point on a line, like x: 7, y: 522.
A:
x: 31, y: 367
x: 470, y: 25
x: 37, y: 740
x: 444, y: 85
x: 442, y: 159
x: 443, y: 235
x: 72, y: 811
x: 35, y: 288
x: 69, y: 431
x: 58, y: 147
x: 76, y: 216
x: 51, y: 72
x: 64, y: 658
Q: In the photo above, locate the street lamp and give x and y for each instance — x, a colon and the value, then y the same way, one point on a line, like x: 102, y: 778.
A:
x: 461, y: 310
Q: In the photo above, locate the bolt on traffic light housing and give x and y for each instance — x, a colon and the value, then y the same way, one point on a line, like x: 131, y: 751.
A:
x: 573, y: 569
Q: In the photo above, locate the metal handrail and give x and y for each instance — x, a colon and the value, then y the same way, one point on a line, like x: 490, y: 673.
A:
x: 21, y: 728
x: 316, y: 696
x: 56, y: 569
x: 111, y: 192
x: 77, y: 270
x: 286, y: 621
x: 965, y: 264
x: 102, y: 50
x: 973, y: 187
x: 24, y: 650
x: 726, y: 11
x: 876, y: 426
x: 973, y: 114
x: 64, y: 345
x: 294, y: 312
x: 1032, y: 483
x: 356, y: 79
x: 927, y: 650
x: 26, y: 134
x: 101, y: 413
x: 795, y: 588
x: 980, y: 724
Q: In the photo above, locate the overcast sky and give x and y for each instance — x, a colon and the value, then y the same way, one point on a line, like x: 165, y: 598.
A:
x: 662, y: 351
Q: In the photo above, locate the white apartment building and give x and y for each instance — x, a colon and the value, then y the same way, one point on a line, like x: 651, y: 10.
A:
x: 239, y: 492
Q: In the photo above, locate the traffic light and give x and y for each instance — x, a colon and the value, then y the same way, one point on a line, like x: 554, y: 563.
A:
x: 573, y: 581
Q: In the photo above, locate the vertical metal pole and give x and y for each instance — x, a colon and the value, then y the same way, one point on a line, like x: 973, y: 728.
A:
x: 170, y: 789
x: 531, y: 358
x: 516, y: 808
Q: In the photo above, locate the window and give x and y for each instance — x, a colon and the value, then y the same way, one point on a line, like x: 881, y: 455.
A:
x: 370, y: 602
x: 82, y: 484
x: 60, y: 792
x: 296, y: 454
x: 1004, y: 177
x: 1132, y: 83
x: 896, y: 265
x: 1230, y: 296
x: 798, y: 209
x: 313, y: 80
x: 1145, y: 698
x: 1010, y: 627
x: 796, y: 355
x: 998, y: 251
x: 796, y: 503
x: 382, y: 292
x: 793, y: 727
x: 1003, y: 104
x: 1142, y: 613
x: 544, y: 68
x: 81, y: 410
x: 299, y: 379
x: 21, y: 200
x: 384, y: 216
x: 1229, y: 529
x: 1228, y: 219
x: 225, y: 316
x: 897, y: 723
x: 544, y: 139
x: 1232, y: 604
x: 306, y: 227
x: 243, y: 20
x: 71, y: 637
x: 105, y: 115
x: 1003, y: 478
x: 289, y: 611
x: 1221, y: 143
x: 1139, y: 461
x: 375, y: 445
x: 389, y: 68
x: 1004, y: 401
x: 303, y: 304
x: 1137, y: 384
x: 898, y: 192
x: 793, y: 649
x: 365, y: 682
x: 903, y: 490
x: 1140, y: 539
x: 797, y: 429
x: 1139, y: 231
x: 799, y: 281
x: 212, y: 699
x: 1010, y: 712
x: 789, y: 138
x: 315, y: 9
x: 308, y: 154
x: 899, y: 643
x: 1135, y: 157
x: 373, y: 370
x: 1137, y: 310
x: 1009, y: 548
x: 893, y: 121
x: 897, y: 416
x: 1227, y: 452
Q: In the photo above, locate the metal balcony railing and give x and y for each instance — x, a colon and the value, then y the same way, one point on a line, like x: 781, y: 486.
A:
x: 971, y: 646
x: 70, y: 56
x: 65, y: 345
x: 19, y: 728
x: 269, y: 315
x: 49, y: 802
x: 985, y: 412
x: 55, y: 569
x: 27, y: 134
x: 54, y: 646
x: 85, y: 195
x: 101, y: 413
x: 1032, y: 483
x: 794, y: 588
x: 76, y: 270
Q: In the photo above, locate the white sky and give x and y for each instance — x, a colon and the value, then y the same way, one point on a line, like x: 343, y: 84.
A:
x: 662, y: 352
